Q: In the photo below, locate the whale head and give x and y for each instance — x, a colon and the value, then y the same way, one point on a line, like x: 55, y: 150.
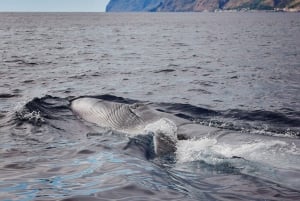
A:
x: 132, y: 120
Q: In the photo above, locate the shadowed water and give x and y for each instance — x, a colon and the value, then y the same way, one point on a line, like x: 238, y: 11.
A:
x: 234, y: 74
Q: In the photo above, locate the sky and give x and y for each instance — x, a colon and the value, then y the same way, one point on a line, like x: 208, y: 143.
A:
x: 54, y: 5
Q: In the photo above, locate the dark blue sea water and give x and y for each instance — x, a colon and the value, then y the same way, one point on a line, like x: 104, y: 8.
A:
x: 234, y: 76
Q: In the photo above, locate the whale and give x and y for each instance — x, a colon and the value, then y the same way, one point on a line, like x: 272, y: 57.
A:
x: 132, y: 120
x: 171, y: 134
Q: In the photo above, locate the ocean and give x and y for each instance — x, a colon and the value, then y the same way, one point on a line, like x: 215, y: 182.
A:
x: 233, y: 77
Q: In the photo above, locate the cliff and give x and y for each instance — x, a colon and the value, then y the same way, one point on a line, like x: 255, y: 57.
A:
x: 262, y: 4
x: 199, y: 5
x: 133, y: 5
x: 188, y: 5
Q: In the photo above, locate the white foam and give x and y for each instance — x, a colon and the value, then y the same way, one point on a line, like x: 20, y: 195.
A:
x: 164, y: 126
x: 196, y: 150
x: 275, y: 152
x: 34, y: 116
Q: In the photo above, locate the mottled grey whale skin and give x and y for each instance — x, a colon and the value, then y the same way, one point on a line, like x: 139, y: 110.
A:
x: 135, y: 119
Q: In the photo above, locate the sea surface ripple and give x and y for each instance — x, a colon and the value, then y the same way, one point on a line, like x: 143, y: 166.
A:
x: 237, y: 72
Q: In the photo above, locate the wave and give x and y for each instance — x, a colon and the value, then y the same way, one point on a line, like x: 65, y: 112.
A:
x: 258, y: 121
x: 39, y: 110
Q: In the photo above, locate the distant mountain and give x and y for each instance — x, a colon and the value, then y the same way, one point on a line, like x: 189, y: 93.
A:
x: 199, y: 5
x: 188, y: 5
x: 262, y: 4
x: 133, y: 5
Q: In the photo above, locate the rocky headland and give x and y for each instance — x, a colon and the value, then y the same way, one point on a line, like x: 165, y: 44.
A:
x: 200, y: 5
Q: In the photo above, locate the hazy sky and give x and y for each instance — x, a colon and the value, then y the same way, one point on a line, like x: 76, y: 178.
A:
x: 54, y: 5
